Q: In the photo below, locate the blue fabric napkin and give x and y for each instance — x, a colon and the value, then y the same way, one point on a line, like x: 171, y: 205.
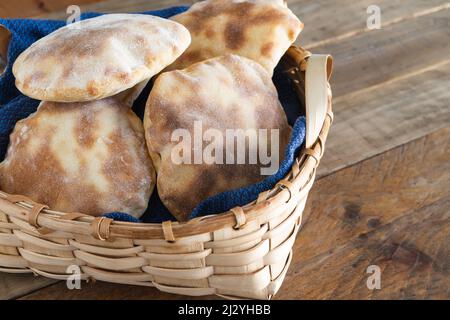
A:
x: 15, y: 106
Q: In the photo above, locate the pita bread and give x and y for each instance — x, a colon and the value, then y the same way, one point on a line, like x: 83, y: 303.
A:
x: 98, y: 57
x: 228, y: 92
x: 84, y: 157
x: 261, y: 30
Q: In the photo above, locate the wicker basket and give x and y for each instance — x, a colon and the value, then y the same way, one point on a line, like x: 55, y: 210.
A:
x: 245, y: 252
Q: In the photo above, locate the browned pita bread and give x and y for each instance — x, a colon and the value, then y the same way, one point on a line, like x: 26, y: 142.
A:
x: 228, y: 92
x: 98, y: 57
x: 261, y: 30
x: 87, y: 157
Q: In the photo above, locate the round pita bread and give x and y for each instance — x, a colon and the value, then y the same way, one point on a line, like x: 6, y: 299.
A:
x: 261, y: 30
x: 98, y: 57
x: 83, y: 157
x: 224, y: 93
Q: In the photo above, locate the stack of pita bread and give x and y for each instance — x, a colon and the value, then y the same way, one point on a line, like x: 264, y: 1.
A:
x: 85, y: 150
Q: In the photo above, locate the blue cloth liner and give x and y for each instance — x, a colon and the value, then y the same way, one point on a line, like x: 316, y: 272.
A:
x: 16, y: 106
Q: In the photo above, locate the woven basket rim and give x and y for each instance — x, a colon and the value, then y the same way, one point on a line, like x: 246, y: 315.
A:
x: 299, y: 178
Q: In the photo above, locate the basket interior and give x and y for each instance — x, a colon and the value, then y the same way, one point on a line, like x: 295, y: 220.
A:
x: 156, y: 212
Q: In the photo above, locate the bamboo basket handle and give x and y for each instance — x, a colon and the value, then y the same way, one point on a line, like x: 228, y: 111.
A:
x: 317, y: 75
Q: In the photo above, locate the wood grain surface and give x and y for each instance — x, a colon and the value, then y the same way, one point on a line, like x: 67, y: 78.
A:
x: 382, y: 196
x: 31, y: 8
x: 372, y: 121
x: 377, y: 56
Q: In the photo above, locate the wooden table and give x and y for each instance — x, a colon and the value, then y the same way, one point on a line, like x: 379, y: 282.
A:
x: 383, y: 193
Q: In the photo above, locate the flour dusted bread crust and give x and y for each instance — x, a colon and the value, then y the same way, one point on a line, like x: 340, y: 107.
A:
x: 98, y: 57
x: 228, y: 92
x: 84, y: 157
x: 261, y: 30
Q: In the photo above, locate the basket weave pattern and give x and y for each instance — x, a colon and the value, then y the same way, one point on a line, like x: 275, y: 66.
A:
x: 241, y: 253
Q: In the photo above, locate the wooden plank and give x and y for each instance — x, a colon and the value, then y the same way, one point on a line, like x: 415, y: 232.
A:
x: 104, y: 291
x: 372, y: 121
x: 392, y: 210
x: 333, y: 20
x: 377, y: 56
x: 377, y: 191
x: 348, y: 17
x: 28, y: 8
x: 412, y: 255
x: 16, y: 285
